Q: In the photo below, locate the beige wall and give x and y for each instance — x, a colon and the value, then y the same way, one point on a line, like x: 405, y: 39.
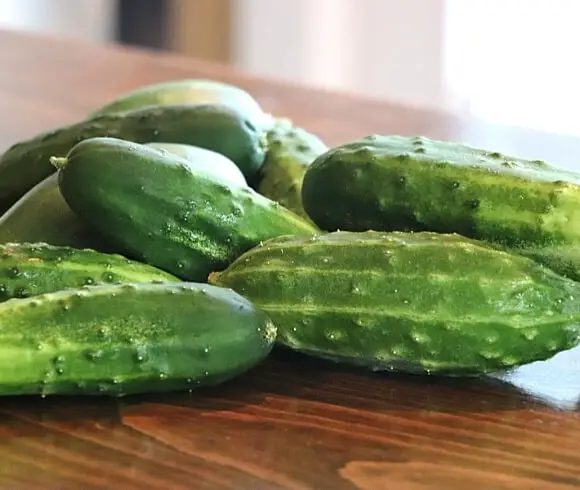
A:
x: 202, y: 28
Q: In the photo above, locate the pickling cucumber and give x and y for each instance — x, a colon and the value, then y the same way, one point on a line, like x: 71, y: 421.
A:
x: 42, y: 215
x: 290, y: 150
x: 129, y: 338
x: 417, y: 302
x: 188, y: 91
x: 419, y: 184
x: 159, y: 210
x: 214, y: 127
x: 30, y: 269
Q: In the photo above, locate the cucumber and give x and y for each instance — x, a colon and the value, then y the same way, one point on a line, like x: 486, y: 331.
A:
x: 418, y: 302
x: 188, y: 91
x: 127, y: 339
x: 209, y: 161
x: 157, y: 209
x: 210, y: 126
x: 42, y: 215
x: 32, y: 269
x: 418, y: 184
x: 290, y: 149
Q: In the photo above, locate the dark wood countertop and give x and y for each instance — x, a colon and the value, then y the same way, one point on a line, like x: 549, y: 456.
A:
x: 291, y: 423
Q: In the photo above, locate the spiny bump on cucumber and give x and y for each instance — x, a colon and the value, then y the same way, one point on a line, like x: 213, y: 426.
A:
x: 32, y: 269
x: 129, y: 338
x: 417, y: 302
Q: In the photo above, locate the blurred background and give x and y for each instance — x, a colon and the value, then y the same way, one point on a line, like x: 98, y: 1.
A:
x: 510, y: 62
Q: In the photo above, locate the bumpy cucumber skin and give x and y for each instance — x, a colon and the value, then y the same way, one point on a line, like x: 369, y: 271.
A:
x: 188, y: 91
x: 418, y: 302
x: 290, y: 149
x: 31, y: 269
x: 211, y: 126
x: 42, y: 215
x: 159, y: 210
x: 127, y: 339
x: 209, y: 161
x: 401, y: 183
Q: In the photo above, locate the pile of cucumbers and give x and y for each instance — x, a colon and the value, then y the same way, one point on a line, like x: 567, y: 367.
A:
x: 172, y: 238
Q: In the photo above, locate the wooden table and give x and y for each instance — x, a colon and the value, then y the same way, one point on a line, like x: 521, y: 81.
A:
x: 292, y: 423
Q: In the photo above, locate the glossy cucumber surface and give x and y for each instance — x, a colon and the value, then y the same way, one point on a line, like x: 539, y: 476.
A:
x: 418, y: 302
x: 126, y: 339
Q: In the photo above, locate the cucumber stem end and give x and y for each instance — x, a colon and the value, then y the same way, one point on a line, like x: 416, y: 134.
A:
x: 58, y: 162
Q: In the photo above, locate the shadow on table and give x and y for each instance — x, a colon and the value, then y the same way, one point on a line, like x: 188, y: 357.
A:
x: 295, y: 379
x: 298, y: 378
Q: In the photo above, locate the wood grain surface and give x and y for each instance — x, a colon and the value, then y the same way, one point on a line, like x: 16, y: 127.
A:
x: 293, y: 422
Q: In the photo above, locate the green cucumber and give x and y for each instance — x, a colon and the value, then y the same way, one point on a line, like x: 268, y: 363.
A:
x: 42, y: 215
x: 415, y: 183
x: 418, y: 302
x: 31, y: 269
x: 209, y: 161
x: 127, y: 339
x: 290, y: 150
x: 159, y: 210
x: 213, y: 127
x: 188, y: 91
